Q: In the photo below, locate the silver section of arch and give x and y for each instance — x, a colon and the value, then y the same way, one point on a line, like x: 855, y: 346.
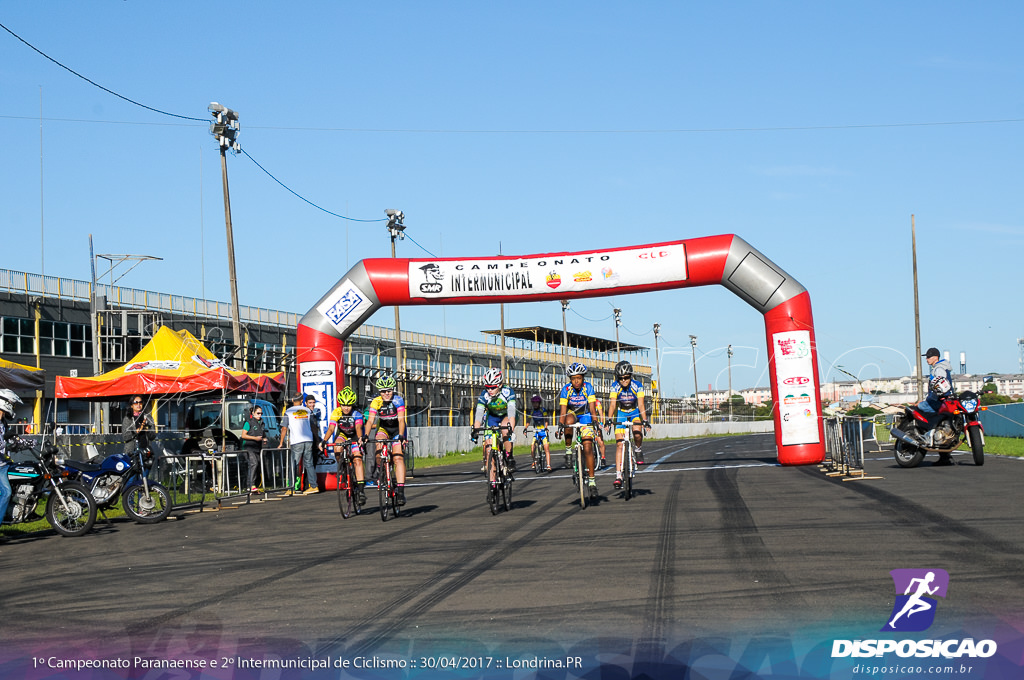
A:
x: 346, y: 306
x: 756, y: 279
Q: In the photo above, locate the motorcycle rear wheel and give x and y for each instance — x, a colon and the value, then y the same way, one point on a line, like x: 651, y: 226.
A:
x: 907, y: 456
x: 977, y: 446
x: 80, y: 515
x: 146, y: 509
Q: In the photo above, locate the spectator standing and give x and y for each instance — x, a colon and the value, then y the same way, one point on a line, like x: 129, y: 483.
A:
x: 299, y: 434
x: 254, y: 436
x: 137, y: 428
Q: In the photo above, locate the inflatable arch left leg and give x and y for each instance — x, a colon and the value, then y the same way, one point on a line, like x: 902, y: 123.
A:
x: 725, y: 260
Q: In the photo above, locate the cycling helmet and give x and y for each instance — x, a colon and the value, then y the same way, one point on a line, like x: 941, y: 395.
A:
x: 536, y: 399
x: 8, y: 399
x: 575, y: 368
x: 347, y: 397
x: 623, y: 369
x: 385, y: 382
x: 493, y: 377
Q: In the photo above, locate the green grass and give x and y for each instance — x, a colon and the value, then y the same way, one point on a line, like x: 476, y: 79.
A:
x: 1003, y: 446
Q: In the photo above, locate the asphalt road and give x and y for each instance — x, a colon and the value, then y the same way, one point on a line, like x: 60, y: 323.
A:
x: 720, y: 544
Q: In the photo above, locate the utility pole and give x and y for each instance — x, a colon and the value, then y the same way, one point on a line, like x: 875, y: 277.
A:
x: 565, y: 336
x: 225, y: 129
x: 696, y: 391
x: 728, y: 353
x: 657, y: 365
x: 396, y: 227
x: 618, y: 322
x: 917, y: 315
x: 94, y: 409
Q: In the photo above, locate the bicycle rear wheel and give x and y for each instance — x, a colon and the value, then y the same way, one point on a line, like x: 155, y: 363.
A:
x: 506, y: 492
x: 346, y: 497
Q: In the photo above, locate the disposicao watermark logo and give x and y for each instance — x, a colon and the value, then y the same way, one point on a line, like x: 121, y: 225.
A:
x: 913, y: 611
x: 915, y: 605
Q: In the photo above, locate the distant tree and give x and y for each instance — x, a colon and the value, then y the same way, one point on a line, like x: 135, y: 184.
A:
x: 993, y: 398
x: 863, y: 412
x: 764, y: 411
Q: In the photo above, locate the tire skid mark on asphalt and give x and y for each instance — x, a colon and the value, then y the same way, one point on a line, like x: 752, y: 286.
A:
x: 405, y: 607
x: 745, y: 548
x: 928, y: 523
x: 661, y: 592
x: 247, y: 588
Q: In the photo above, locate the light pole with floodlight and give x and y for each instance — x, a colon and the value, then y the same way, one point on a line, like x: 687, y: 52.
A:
x: 396, y: 227
x: 225, y: 129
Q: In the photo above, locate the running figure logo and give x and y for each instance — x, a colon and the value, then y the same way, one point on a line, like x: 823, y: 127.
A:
x: 914, y: 610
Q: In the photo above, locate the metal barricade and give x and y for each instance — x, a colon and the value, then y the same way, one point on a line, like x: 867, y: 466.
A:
x: 844, y: 447
x: 187, y: 478
x: 231, y: 473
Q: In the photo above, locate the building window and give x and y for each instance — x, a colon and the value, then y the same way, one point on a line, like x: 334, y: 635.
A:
x: 19, y: 336
x: 56, y: 338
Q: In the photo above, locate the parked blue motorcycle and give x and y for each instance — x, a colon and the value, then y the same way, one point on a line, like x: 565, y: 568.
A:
x: 124, y: 476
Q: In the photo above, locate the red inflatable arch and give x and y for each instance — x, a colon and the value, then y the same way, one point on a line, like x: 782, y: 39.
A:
x: 727, y: 260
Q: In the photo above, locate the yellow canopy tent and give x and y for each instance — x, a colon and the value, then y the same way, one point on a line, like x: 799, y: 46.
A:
x: 173, y: 362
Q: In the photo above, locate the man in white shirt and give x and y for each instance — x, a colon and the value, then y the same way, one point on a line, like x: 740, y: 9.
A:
x: 300, y: 439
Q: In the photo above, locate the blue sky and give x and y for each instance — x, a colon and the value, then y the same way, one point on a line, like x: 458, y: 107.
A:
x: 812, y: 130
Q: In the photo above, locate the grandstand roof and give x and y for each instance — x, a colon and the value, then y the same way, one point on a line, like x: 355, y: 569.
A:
x: 553, y: 336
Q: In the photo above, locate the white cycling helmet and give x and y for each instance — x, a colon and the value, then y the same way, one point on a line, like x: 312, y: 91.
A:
x: 575, y: 368
x: 493, y: 377
x: 8, y: 399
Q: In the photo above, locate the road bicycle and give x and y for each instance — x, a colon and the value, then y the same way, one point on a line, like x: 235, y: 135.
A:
x: 348, y: 489
x: 494, y: 454
x: 387, y: 485
x: 576, y: 464
x: 536, y: 451
x: 628, y: 467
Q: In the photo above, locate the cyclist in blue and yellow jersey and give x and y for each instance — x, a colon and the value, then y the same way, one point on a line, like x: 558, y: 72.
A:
x: 496, y: 407
x: 539, y: 419
x: 578, y: 398
x: 346, y: 429
x: 626, y: 409
x: 385, y: 419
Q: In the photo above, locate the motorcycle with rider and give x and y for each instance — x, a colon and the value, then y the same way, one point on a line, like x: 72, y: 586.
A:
x: 30, y: 478
x: 940, y: 423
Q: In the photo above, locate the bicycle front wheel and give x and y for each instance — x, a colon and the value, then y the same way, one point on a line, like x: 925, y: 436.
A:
x: 628, y: 465
x: 581, y: 476
x: 346, y: 492
x: 384, y: 490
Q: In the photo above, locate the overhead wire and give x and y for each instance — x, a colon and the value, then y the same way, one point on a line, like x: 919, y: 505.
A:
x: 297, y: 195
x: 94, y: 83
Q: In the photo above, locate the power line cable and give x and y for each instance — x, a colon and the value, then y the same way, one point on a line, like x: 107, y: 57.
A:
x: 541, y: 131
x: 94, y: 83
x: 587, y: 319
x: 291, y: 191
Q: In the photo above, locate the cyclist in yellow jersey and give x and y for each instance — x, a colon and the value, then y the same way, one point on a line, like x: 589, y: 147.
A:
x: 385, y: 419
x: 346, y: 430
x: 578, y: 399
